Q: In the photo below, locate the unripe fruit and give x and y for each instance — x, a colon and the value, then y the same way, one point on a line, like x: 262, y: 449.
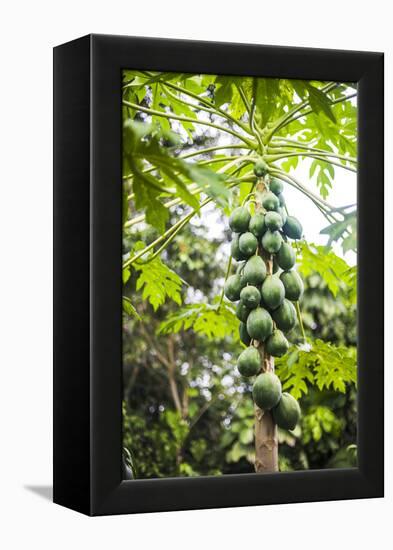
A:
x: 254, y: 272
x: 243, y: 334
x: 270, y: 201
x: 286, y: 413
x: 248, y: 244
x: 233, y: 287
x: 272, y: 241
x: 260, y: 168
x: 242, y: 311
x: 293, y: 285
x: 266, y: 391
x: 273, y: 221
x: 293, y: 228
x: 276, y: 186
x: 239, y: 219
x: 286, y: 257
x: 283, y: 213
x: 276, y: 345
x: 259, y: 324
x: 249, y: 362
x: 273, y: 291
x: 235, y: 250
x: 250, y: 296
x: 257, y: 225
x: 285, y: 316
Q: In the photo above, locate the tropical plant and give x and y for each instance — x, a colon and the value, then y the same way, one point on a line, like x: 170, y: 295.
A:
x: 199, y: 143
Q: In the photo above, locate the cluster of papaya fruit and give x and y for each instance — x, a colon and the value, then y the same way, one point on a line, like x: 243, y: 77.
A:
x: 265, y: 285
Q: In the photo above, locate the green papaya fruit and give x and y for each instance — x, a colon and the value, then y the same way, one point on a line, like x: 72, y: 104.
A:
x: 248, y: 244
x: 276, y: 267
x: 281, y: 199
x: 254, y: 272
x: 249, y: 362
x: 272, y: 241
x: 293, y: 228
x: 235, y: 250
x: 273, y: 221
x: 240, y: 268
x: 293, y: 285
x: 239, y: 219
x: 283, y: 213
x: 259, y: 324
x: 242, y: 311
x: 285, y: 316
x: 243, y: 334
x: 260, y: 168
x: 276, y: 345
x: 286, y: 257
x: 266, y: 391
x: 270, y: 201
x: 276, y: 186
x: 273, y: 291
x: 233, y: 287
x: 250, y: 296
x: 257, y: 225
x: 286, y: 413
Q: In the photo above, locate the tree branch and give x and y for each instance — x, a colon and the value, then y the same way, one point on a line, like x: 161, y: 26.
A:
x: 153, y: 112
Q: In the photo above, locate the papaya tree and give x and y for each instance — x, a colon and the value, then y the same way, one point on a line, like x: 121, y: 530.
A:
x: 197, y: 143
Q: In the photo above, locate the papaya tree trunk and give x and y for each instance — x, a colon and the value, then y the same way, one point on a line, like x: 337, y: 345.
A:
x: 266, y: 441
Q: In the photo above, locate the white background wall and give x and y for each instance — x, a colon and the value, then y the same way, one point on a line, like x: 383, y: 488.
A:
x: 28, y: 30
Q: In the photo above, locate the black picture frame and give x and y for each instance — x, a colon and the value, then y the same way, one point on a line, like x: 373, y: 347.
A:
x: 88, y: 287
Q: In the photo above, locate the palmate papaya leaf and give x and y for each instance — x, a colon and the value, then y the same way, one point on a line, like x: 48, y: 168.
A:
x: 294, y: 378
x: 158, y: 283
x: 126, y: 273
x: 319, y: 102
x: 213, y: 321
x: 129, y: 308
x: 325, y: 176
x: 335, y: 366
x: 267, y: 90
x: 345, y: 230
x: 324, y: 365
x: 223, y: 90
x: 227, y: 92
x: 290, y: 163
x: 318, y: 420
x: 171, y: 176
x: 238, y: 108
x: 334, y: 270
x: 351, y: 280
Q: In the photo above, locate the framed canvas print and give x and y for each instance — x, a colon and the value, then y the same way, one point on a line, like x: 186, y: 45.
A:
x: 218, y: 275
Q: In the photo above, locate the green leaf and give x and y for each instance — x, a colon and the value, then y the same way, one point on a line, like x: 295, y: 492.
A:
x: 125, y: 275
x: 318, y: 420
x: 319, y: 102
x: 267, y: 90
x: 333, y: 269
x: 337, y: 230
x: 171, y: 177
x: 324, y: 365
x: 129, y: 309
x: 158, y: 283
x: 210, y: 320
x: 223, y: 90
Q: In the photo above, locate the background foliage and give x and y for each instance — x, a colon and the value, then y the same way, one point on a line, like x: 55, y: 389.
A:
x: 189, y: 143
